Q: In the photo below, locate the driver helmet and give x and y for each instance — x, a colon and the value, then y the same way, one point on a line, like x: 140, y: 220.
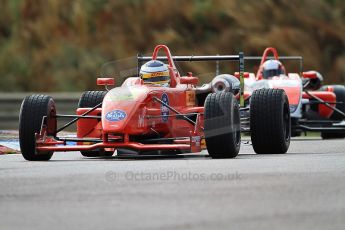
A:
x: 272, y: 68
x: 156, y: 73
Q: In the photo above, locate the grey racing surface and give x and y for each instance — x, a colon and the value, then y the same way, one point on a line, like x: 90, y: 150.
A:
x: 303, y: 189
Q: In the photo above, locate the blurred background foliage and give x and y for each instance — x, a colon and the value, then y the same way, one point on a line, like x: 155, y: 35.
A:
x: 61, y: 45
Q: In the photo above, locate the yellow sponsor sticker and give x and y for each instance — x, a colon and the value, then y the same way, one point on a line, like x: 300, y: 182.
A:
x: 87, y: 143
x: 155, y: 74
x: 190, y: 98
x: 203, y: 143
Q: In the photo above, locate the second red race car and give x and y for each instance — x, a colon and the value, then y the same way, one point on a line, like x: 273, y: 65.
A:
x: 313, y: 107
x: 159, y: 112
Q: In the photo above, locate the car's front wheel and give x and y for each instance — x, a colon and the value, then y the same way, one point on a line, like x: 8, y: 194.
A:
x: 31, y: 114
x: 222, y: 125
x: 270, y: 123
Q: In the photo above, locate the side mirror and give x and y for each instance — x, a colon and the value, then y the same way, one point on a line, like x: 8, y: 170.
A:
x: 189, y: 80
x: 310, y: 75
x: 105, y: 81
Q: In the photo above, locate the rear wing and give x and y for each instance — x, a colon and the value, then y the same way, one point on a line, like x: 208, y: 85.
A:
x: 289, y: 58
x: 240, y: 58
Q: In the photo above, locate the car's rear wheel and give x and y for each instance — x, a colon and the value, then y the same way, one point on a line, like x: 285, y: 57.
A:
x: 339, y: 91
x: 90, y: 99
x: 270, y: 122
x: 32, y: 111
x: 222, y: 125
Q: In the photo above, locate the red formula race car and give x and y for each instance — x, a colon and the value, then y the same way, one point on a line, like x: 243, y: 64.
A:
x: 312, y: 107
x: 141, y: 117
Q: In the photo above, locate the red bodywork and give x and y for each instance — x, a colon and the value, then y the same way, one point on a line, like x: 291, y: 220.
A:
x: 133, y: 110
x: 327, y: 96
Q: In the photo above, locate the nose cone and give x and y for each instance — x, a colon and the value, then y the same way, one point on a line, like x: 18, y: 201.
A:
x: 119, y: 106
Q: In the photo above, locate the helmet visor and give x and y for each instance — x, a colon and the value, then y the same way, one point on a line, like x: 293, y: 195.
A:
x: 271, y: 73
x: 157, y: 79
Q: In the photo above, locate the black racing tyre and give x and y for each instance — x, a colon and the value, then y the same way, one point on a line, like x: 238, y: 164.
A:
x: 222, y: 125
x: 32, y: 111
x: 270, y: 122
x: 90, y: 99
x: 339, y: 91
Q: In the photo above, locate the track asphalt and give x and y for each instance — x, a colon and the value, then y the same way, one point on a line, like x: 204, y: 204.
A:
x: 303, y: 189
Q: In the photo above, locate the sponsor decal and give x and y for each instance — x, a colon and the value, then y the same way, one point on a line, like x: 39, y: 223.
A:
x: 141, y: 120
x: 155, y: 74
x: 203, y: 143
x: 116, y: 115
x: 164, y: 109
x: 196, y: 140
x: 190, y: 98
